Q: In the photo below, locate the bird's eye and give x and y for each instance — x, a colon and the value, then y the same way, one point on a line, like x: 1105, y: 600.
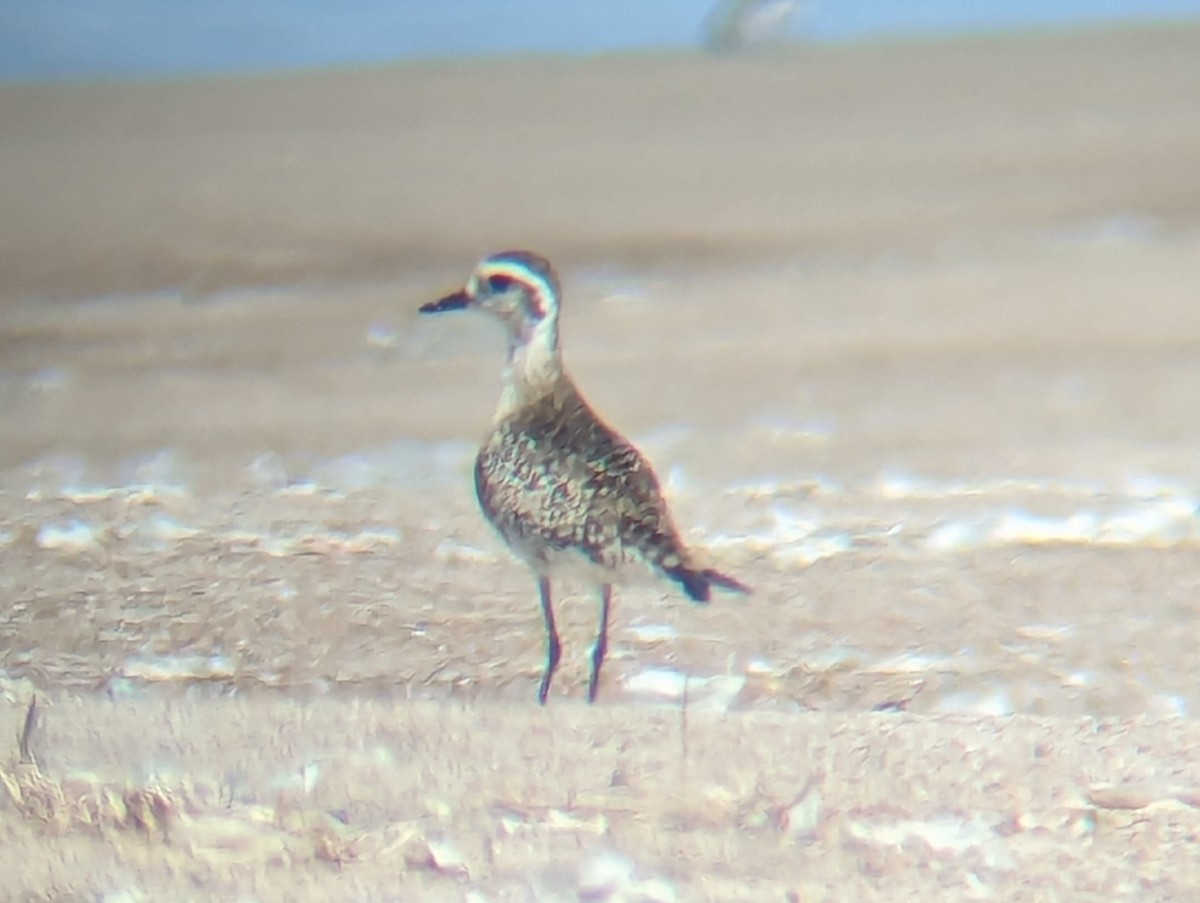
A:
x: 500, y: 283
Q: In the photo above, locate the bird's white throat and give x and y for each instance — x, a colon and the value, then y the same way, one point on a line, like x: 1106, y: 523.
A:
x: 534, y: 367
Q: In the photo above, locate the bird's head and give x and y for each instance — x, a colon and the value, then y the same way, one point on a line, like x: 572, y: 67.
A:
x: 518, y: 288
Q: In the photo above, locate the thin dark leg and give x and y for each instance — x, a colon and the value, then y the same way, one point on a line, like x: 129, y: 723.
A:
x: 553, y: 648
x: 601, y: 647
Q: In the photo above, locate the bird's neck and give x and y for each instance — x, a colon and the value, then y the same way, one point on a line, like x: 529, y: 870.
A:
x: 534, y: 369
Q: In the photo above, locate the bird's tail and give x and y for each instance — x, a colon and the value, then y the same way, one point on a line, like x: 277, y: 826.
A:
x: 698, y: 582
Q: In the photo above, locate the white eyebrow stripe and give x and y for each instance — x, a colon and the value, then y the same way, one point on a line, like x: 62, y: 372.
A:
x: 540, y: 289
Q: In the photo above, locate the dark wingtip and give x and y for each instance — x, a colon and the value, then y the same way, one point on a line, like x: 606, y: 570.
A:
x: 698, y: 584
x: 454, y: 301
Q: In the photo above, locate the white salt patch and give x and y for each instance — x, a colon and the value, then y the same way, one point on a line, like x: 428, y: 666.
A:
x: 303, y: 488
x: 449, y: 458
x: 900, y: 485
x: 1016, y: 526
x: 824, y: 485
x: 349, y: 473
x: 835, y: 656
x: 303, y: 779
x: 51, y: 474
x: 803, y: 817
x: 84, y: 495
x: 137, y: 492
x: 168, y: 529
x: 896, y: 485
x: 653, y: 890
x: 995, y: 704
x: 1153, y: 486
x: 660, y: 442
x: 268, y: 471
x: 772, y: 487
x: 1170, y: 704
x: 447, y: 858
x: 782, y: 427
x: 163, y: 470
x: 319, y: 542
x: 953, y: 536
x: 72, y: 537
x: 787, y: 527
x: 787, y: 533
x: 715, y: 541
x: 449, y: 550
x: 405, y: 462
x: 51, y: 379
x: 665, y: 683
x: 814, y: 549
x: 310, y: 773
x: 1054, y: 632
x: 179, y: 667
x: 949, y: 834
x: 788, y: 537
x: 242, y: 537
x: 910, y: 663
x: 124, y: 895
x: 604, y: 875
x: 381, y: 335
x: 716, y: 693
x: 376, y: 536
x: 677, y: 481
x: 653, y: 633
x: 1160, y: 523
x: 278, y: 546
x: 760, y: 667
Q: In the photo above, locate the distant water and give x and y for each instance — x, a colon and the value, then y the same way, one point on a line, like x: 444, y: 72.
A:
x: 56, y: 39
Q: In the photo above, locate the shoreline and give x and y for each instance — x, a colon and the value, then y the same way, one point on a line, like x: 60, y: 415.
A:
x: 204, y: 186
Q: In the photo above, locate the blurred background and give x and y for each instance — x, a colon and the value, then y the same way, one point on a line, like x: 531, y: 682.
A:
x: 148, y: 38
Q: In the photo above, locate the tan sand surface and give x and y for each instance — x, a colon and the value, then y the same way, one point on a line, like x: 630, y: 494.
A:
x: 910, y: 331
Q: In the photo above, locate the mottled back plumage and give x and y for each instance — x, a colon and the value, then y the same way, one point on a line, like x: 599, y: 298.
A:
x: 561, y: 487
x: 554, y: 479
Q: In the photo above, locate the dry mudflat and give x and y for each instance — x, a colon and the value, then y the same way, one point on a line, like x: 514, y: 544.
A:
x: 910, y: 332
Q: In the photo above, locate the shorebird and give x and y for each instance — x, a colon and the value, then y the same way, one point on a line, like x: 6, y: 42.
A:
x: 564, y: 490
x: 734, y: 25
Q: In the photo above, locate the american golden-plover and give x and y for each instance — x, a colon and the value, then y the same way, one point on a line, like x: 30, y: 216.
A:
x: 564, y: 490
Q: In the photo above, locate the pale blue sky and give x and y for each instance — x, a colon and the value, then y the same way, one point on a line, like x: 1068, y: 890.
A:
x: 81, y: 38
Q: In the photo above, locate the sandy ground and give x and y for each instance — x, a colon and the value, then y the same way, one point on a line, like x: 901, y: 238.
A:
x: 919, y: 324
